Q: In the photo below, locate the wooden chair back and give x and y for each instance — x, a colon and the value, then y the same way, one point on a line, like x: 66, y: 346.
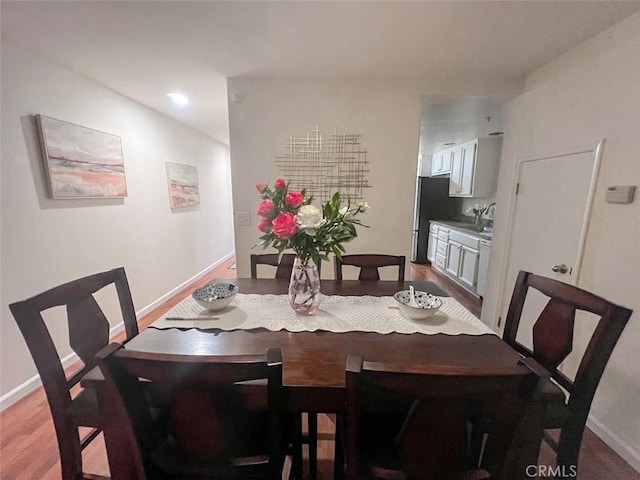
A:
x: 437, y: 406
x: 284, y: 267
x: 369, y: 265
x: 209, y: 421
x: 88, y: 334
x: 553, y: 341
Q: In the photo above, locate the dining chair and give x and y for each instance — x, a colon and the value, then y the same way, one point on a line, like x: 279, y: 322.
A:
x: 369, y: 265
x: 416, y: 421
x: 212, y: 428
x: 552, y: 343
x: 283, y: 271
x: 284, y: 266
x: 88, y: 333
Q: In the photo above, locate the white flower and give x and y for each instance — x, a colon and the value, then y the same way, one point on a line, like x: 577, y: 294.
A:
x: 309, y: 218
x: 363, y: 206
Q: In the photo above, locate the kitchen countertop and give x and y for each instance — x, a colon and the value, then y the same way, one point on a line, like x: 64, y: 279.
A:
x: 469, y: 228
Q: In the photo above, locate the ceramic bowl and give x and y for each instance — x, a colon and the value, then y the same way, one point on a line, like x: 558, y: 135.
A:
x: 215, y: 296
x: 427, y: 304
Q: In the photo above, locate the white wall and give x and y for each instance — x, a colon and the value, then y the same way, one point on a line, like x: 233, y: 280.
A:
x: 585, y: 95
x: 385, y: 113
x: 47, y: 242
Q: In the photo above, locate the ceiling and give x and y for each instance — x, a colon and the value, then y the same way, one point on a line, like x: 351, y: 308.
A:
x: 458, y: 119
x: 145, y: 49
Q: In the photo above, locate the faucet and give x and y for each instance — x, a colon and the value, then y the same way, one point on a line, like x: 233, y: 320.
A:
x: 487, y: 209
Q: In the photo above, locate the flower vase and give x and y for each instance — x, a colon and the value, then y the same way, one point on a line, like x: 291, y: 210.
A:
x: 304, y: 287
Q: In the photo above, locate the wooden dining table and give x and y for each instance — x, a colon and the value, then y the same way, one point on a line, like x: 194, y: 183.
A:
x: 314, y: 362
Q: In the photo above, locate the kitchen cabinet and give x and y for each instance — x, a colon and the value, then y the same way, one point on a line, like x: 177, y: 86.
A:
x: 483, y: 266
x: 453, y: 258
x: 462, y: 254
x: 441, y: 162
x: 431, y: 247
x: 474, y: 170
x: 468, y: 269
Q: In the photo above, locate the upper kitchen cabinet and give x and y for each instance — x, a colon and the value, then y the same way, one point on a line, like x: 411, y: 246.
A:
x: 441, y: 162
x: 474, y: 171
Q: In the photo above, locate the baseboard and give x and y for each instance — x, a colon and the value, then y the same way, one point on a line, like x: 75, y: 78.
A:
x: 34, y: 382
x: 622, y: 448
x: 184, y: 284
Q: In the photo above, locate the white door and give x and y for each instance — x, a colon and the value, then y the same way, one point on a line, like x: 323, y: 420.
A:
x: 550, y: 220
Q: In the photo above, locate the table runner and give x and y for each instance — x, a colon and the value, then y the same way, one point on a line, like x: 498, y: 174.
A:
x: 337, y: 314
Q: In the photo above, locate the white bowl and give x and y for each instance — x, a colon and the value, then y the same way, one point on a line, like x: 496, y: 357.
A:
x: 215, y: 296
x: 427, y: 304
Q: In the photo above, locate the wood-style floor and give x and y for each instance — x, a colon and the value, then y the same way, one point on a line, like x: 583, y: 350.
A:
x: 29, y: 451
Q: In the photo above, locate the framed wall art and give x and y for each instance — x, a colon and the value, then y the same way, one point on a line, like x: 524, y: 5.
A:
x: 80, y: 162
x: 183, y: 185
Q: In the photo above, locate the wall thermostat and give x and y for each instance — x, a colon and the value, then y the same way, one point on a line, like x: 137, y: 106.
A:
x: 620, y: 194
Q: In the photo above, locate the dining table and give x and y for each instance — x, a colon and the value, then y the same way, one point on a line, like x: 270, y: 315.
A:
x: 314, y: 361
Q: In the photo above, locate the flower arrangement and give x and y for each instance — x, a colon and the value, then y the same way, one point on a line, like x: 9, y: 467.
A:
x: 290, y: 221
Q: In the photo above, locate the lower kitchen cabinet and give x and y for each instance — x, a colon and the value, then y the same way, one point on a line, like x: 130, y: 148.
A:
x: 431, y: 247
x: 461, y: 254
x: 453, y: 258
x: 468, y: 270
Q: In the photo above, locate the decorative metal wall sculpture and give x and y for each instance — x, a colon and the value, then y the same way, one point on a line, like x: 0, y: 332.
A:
x: 325, y: 166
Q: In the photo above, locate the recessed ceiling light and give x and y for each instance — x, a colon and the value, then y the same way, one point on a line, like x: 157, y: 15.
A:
x: 178, y: 98
x: 448, y: 144
x: 496, y: 134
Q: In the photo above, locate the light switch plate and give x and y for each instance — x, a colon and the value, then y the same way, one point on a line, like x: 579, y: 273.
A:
x: 243, y: 219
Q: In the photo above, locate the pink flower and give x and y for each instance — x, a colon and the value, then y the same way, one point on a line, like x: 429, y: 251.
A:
x: 284, y: 225
x: 260, y: 186
x: 279, y: 183
x: 264, y: 225
x: 265, y: 207
x: 293, y: 199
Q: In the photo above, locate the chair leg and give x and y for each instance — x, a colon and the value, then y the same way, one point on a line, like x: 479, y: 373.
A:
x: 338, y: 462
x: 312, y: 421
x: 569, y: 443
x: 296, y: 464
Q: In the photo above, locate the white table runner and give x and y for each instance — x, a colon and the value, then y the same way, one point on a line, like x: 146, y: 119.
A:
x: 337, y: 314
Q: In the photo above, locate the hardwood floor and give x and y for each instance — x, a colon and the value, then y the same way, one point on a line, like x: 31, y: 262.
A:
x: 428, y: 273
x: 28, y: 447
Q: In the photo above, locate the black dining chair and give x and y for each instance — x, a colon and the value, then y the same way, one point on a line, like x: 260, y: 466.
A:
x: 369, y: 265
x: 211, y: 429
x: 552, y: 343
x: 88, y: 333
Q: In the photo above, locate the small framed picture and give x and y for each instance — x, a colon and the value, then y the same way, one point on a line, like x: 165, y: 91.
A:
x: 183, y: 185
x: 80, y: 162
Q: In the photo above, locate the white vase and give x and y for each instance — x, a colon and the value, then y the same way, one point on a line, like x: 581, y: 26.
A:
x: 304, y: 287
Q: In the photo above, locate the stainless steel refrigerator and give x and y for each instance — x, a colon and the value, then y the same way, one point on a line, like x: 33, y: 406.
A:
x: 432, y: 202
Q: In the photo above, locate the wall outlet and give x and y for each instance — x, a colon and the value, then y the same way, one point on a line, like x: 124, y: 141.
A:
x: 243, y: 219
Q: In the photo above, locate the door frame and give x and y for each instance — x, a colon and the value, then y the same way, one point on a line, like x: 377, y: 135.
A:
x: 595, y: 174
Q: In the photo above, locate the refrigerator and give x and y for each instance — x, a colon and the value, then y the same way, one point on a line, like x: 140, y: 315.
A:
x: 432, y: 202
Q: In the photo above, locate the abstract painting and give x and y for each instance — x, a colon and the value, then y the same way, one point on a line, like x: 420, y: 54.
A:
x: 183, y: 185
x: 81, y: 162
